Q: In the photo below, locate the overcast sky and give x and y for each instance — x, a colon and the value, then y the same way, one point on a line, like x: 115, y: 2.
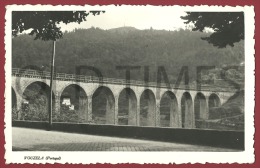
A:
x: 140, y: 17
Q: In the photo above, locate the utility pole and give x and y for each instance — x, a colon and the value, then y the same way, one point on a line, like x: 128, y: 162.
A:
x: 51, y: 83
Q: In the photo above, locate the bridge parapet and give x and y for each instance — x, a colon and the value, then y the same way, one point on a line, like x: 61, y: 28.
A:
x: 93, y: 79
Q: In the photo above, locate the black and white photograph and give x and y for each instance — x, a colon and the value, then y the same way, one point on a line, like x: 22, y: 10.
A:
x: 116, y: 83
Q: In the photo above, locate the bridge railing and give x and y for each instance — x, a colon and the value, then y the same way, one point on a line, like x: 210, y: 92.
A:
x: 93, y: 79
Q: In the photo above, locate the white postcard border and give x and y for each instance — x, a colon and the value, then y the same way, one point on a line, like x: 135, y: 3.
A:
x: 246, y: 156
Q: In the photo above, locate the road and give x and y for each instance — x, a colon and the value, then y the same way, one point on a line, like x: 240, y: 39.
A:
x: 42, y: 140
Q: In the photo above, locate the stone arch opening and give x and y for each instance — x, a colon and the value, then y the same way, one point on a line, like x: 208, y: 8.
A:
x: 186, y: 110
x: 214, y: 101
x: 14, y: 106
x: 103, y: 106
x: 147, y: 108
x: 35, y: 102
x: 168, y: 110
x: 73, y: 103
x: 14, y: 99
x: 200, y: 108
x: 127, y: 107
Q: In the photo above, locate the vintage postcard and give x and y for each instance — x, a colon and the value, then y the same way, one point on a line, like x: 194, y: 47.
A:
x: 129, y: 84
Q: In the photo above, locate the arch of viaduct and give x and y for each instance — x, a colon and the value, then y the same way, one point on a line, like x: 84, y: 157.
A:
x: 155, y: 95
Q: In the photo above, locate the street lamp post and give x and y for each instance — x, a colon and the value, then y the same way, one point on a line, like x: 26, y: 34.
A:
x: 51, y: 83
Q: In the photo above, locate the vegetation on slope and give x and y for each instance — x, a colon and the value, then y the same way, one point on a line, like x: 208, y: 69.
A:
x: 107, y: 49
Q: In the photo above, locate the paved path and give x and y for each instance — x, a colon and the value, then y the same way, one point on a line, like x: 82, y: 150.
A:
x: 41, y: 140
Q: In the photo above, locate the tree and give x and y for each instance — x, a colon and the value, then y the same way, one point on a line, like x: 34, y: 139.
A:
x: 228, y: 27
x: 45, y: 26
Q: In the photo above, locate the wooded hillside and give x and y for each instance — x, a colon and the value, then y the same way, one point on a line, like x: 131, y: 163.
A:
x: 107, y: 49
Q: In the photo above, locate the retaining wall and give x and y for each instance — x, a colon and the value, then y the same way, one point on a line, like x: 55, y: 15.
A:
x: 216, y: 138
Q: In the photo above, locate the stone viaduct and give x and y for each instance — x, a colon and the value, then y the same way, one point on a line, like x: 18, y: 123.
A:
x: 182, y: 101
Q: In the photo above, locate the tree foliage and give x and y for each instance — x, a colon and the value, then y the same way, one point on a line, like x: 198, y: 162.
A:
x: 45, y: 24
x: 228, y: 26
